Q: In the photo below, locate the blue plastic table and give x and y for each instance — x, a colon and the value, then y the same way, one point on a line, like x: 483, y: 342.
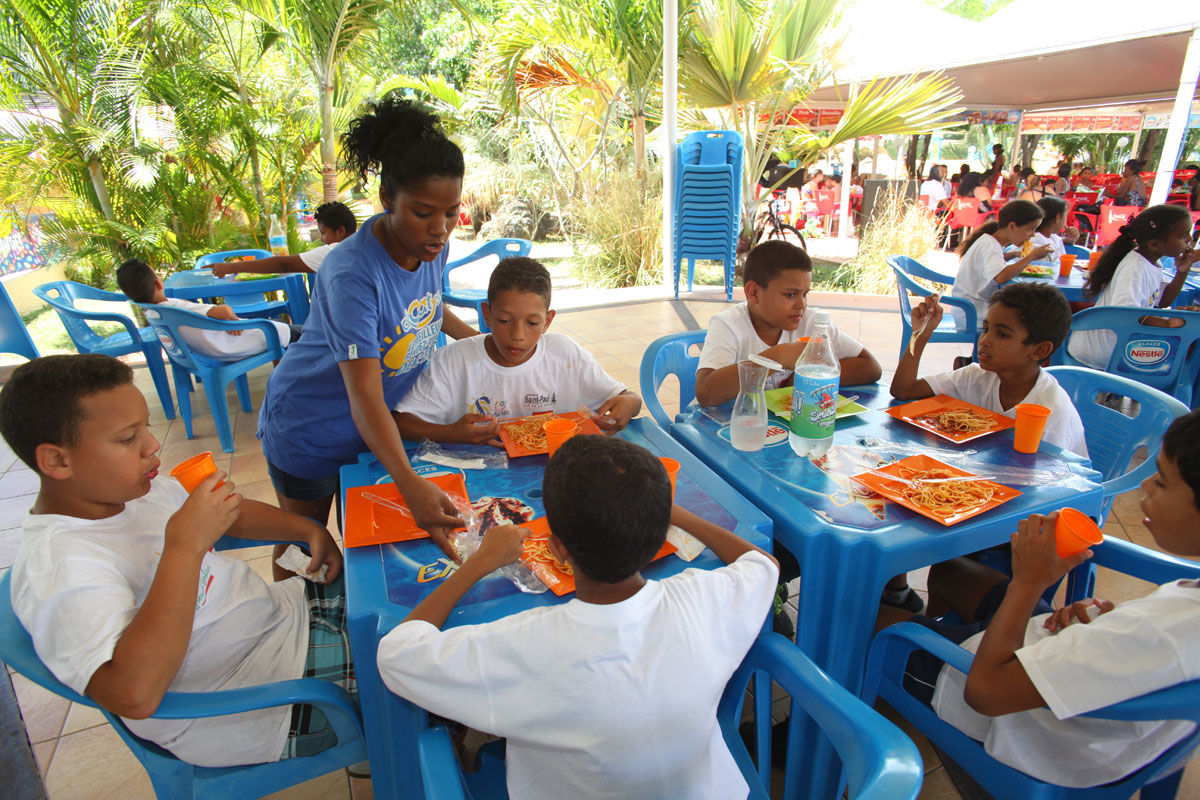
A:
x: 383, y: 583
x: 1071, y: 286
x: 849, y: 545
x: 199, y: 284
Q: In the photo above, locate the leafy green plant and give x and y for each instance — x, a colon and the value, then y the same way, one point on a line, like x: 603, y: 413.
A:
x: 625, y: 228
x: 899, y: 226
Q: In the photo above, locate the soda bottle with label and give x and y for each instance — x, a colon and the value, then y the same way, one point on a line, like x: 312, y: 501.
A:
x: 814, y: 393
x: 277, y: 237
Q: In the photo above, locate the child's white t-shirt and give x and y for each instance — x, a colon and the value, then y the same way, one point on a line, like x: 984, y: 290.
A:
x: 77, y: 584
x: 599, y: 701
x: 463, y: 379
x: 976, y: 278
x: 1137, y: 281
x: 223, y: 345
x: 313, y: 258
x: 1139, y: 647
x: 976, y: 385
x: 1054, y: 240
x: 731, y: 339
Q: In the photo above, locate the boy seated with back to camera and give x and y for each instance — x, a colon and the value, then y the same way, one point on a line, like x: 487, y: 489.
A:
x: 515, y: 371
x: 1073, y: 660
x: 614, y: 693
x: 116, y: 584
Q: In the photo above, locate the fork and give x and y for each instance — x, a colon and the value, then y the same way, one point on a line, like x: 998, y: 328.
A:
x: 910, y: 482
x: 912, y: 341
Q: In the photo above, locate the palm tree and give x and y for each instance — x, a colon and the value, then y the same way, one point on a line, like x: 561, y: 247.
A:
x: 321, y: 35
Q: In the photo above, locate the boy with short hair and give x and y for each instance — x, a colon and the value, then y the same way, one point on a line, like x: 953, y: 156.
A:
x: 141, y: 284
x: 1086, y: 656
x: 614, y: 693
x: 1024, y: 325
x: 335, y: 222
x: 770, y: 323
x: 516, y: 370
x: 116, y: 584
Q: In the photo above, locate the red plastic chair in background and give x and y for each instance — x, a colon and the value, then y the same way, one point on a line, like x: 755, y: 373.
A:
x: 1111, y: 219
x: 964, y: 215
x: 826, y: 207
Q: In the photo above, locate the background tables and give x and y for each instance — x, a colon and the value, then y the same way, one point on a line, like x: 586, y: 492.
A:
x: 383, y: 583
x: 199, y: 284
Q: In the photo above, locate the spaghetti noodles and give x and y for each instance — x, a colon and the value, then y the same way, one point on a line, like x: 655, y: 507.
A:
x: 957, y: 420
x: 528, y: 434
x: 930, y: 489
x: 538, y: 550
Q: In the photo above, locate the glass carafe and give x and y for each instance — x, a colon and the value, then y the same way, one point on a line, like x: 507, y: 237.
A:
x: 748, y: 425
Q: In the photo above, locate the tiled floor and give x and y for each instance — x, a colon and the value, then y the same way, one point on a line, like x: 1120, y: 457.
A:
x: 81, y: 757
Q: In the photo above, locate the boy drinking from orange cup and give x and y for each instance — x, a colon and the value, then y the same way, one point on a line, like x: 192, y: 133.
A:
x: 1075, y: 659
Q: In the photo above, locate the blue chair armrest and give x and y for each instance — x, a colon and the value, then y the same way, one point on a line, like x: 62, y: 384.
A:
x: 441, y: 775
x: 1142, y: 562
x: 102, y: 316
x: 892, y: 646
x: 207, y: 323
x: 971, y: 323
x: 1130, y: 480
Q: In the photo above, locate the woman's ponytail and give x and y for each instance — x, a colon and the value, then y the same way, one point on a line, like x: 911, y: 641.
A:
x: 400, y: 142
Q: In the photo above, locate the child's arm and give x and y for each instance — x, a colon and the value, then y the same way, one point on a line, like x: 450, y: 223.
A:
x: 717, y: 386
x: 500, y: 546
x: 261, y: 266
x: 1183, y: 266
x: 454, y: 327
x: 615, y: 412
x: 1015, y: 268
x: 905, y: 383
x: 998, y: 683
x: 469, y: 429
x: 262, y: 521
x: 150, y: 651
x: 226, y: 313
x: 860, y: 369
x: 727, y: 546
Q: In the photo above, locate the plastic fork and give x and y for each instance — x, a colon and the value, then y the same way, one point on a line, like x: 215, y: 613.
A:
x: 912, y: 341
x: 910, y: 482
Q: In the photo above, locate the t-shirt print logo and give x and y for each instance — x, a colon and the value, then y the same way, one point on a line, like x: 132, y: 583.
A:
x: 416, y: 336
x: 535, y: 399
x: 485, y: 405
x: 206, y: 582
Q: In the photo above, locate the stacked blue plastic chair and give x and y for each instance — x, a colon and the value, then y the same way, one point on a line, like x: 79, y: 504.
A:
x: 708, y: 195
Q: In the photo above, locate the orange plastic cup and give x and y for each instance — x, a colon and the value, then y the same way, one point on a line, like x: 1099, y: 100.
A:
x: 672, y: 467
x: 193, y: 471
x: 558, y: 430
x: 1094, y: 259
x: 1031, y: 422
x: 1065, y: 262
x: 1075, y: 532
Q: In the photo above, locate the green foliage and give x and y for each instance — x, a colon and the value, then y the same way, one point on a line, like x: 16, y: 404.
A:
x: 625, y: 228
x: 1103, y: 152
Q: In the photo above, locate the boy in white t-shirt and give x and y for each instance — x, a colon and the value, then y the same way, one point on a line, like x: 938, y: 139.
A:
x: 141, y: 284
x: 335, y: 222
x: 771, y: 322
x: 1024, y: 325
x: 1085, y: 656
x: 116, y: 584
x: 516, y: 370
x: 614, y: 693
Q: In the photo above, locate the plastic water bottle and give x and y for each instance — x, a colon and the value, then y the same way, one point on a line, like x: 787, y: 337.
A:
x: 277, y: 237
x: 814, y: 393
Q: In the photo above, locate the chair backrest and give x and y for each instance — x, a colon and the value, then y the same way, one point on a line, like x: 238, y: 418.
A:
x: 500, y: 248
x: 966, y: 212
x: 708, y: 148
x: 1077, y: 251
x: 670, y: 355
x: 1147, y: 354
x: 167, y: 321
x: 1112, y: 217
x: 226, y: 255
x: 62, y: 296
x: 913, y: 268
x: 826, y: 201
x: 14, y: 336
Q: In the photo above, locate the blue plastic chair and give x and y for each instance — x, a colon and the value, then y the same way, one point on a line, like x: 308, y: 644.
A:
x: 670, y: 355
x: 1147, y: 354
x: 62, y: 296
x: 948, y: 329
x: 14, y: 336
x: 1077, y: 251
x: 915, y: 269
x: 1158, y: 780
x: 179, y: 780
x: 246, y: 305
x: 881, y: 762
x: 475, y: 298
x: 214, y: 374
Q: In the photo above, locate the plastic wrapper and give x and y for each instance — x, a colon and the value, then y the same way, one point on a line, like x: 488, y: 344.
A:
x: 462, y: 457
x: 466, y: 542
x: 295, y: 560
x: 1062, y: 473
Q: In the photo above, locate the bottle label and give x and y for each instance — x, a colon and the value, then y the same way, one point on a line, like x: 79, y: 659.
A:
x: 814, y: 408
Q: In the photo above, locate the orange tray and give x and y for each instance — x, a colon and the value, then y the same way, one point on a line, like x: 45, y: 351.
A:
x: 368, y: 522
x: 892, y: 489
x: 557, y: 580
x: 586, y: 425
x: 912, y: 413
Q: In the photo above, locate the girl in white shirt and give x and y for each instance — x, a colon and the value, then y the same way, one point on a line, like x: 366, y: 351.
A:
x: 983, y: 270
x: 1128, y: 274
x: 1052, y: 230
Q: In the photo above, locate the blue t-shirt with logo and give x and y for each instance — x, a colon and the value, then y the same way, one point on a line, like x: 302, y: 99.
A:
x: 364, y: 305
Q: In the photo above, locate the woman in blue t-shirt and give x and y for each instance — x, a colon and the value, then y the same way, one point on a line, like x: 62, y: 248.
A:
x: 376, y: 314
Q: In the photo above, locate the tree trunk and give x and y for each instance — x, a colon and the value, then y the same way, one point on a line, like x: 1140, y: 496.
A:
x: 1148, y: 146
x: 256, y: 172
x: 329, y: 189
x: 1028, y: 145
x: 925, y: 140
x: 910, y: 160
x: 96, y: 173
x: 639, y: 149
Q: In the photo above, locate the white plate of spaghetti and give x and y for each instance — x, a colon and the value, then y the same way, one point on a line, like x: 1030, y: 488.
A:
x: 953, y: 420
x: 936, y: 490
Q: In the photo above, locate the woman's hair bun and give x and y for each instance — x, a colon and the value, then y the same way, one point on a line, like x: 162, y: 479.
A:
x: 401, y: 142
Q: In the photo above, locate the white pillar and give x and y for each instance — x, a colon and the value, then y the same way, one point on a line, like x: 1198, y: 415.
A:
x: 844, y: 229
x: 669, y: 137
x: 1180, y: 115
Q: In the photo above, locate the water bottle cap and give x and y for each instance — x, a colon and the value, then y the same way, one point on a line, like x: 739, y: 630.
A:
x: 821, y: 315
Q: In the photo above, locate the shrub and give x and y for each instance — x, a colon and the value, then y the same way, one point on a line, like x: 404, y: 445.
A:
x: 624, y: 227
x: 900, y: 226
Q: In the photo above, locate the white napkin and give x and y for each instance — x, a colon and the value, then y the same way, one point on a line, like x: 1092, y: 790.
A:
x: 294, y: 560
x: 444, y: 460
x: 688, y: 546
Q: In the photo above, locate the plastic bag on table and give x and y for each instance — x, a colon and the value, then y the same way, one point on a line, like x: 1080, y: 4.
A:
x: 466, y: 542
x: 1061, y: 474
x: 904, y: 450
x: 462, y: 457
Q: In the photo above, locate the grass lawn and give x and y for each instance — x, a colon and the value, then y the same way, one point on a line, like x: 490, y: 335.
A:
x: 825, y: 276
x: 51, y: 337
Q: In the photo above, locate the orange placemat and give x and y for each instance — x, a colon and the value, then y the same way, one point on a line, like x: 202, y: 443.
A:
x: 905, y: 468
x: 586, y: 425
x: 922, y: 413
x: 369, y: 521
x: 548, y: 572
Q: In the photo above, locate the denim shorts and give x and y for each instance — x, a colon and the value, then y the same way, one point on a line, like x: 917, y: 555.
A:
x: 296, y: 488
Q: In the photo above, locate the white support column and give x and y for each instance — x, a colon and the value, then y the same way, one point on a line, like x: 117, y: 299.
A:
x: 1180, y: 115
x: 669, y: 137
x: 844, y: 229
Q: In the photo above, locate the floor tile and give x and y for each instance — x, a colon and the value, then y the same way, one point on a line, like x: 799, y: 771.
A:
x: 95, y: 764
x: 10, y: 542
x: 81, y: 717
x: 334, y: 786
x: 43, y: 754
x: 43, y: 711
x: 12, y: 510
x: 938, y: 786
x: 18, y: 482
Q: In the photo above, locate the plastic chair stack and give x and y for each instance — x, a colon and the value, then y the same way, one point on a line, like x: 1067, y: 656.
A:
x: 708, y: 196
